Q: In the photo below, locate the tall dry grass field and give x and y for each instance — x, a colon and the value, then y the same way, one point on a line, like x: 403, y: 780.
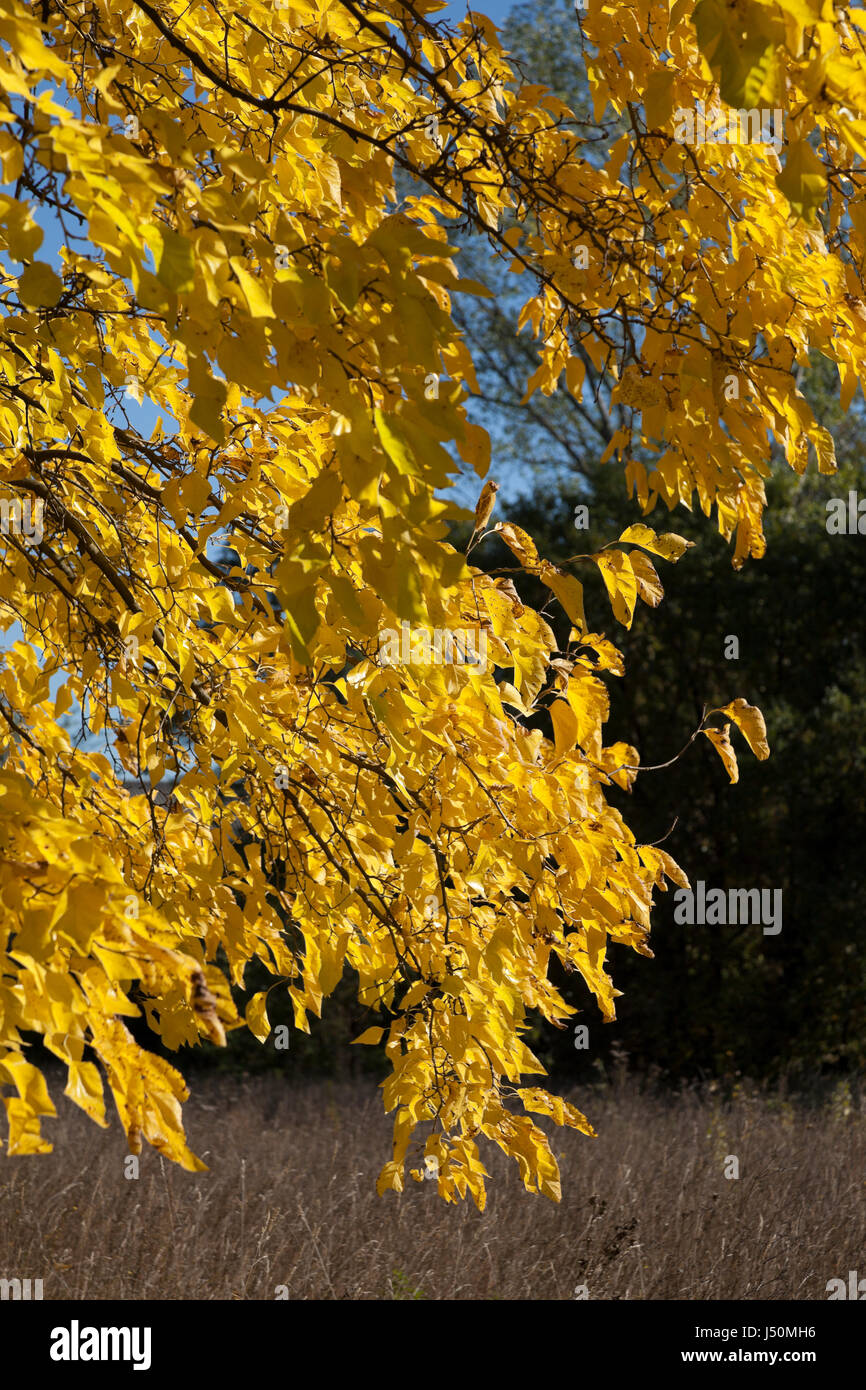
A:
x: 289, y: 1199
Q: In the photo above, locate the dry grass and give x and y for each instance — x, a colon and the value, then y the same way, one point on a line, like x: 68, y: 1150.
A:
x: 290, y: 1199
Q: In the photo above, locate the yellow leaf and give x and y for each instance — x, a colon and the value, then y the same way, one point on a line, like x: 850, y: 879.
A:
x: 721, y: 741
x: 658, y: 98
x: 84, y: 1086
x: 569, y: 591
x: 210, y: 399
x: 564, y: 726
x: 175, y: 267
x: 648, y: 583
x: 24, y: 1129
x: 750, y: 722
x: 395, y: 443
x: 39, y: 286
x: 255, y: 292
x: 737, y: 47
x: 520, y: 543
x: 474, y: 448
x: 370, y: 1037
x: 803, y: 180
x: 620, y: 581
x: 390, y: 1179
x: 669, y: 546
x: 256, y: 1016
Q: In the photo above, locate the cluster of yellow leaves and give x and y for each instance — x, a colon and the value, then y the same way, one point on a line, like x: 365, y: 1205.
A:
x: 750, y: 722
x: 717, y: 249
x: 208, y: 597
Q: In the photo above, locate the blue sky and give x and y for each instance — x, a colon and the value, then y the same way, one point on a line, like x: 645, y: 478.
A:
x: 494, y: 9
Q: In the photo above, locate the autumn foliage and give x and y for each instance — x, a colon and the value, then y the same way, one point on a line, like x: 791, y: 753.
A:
x: 201, y: 745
